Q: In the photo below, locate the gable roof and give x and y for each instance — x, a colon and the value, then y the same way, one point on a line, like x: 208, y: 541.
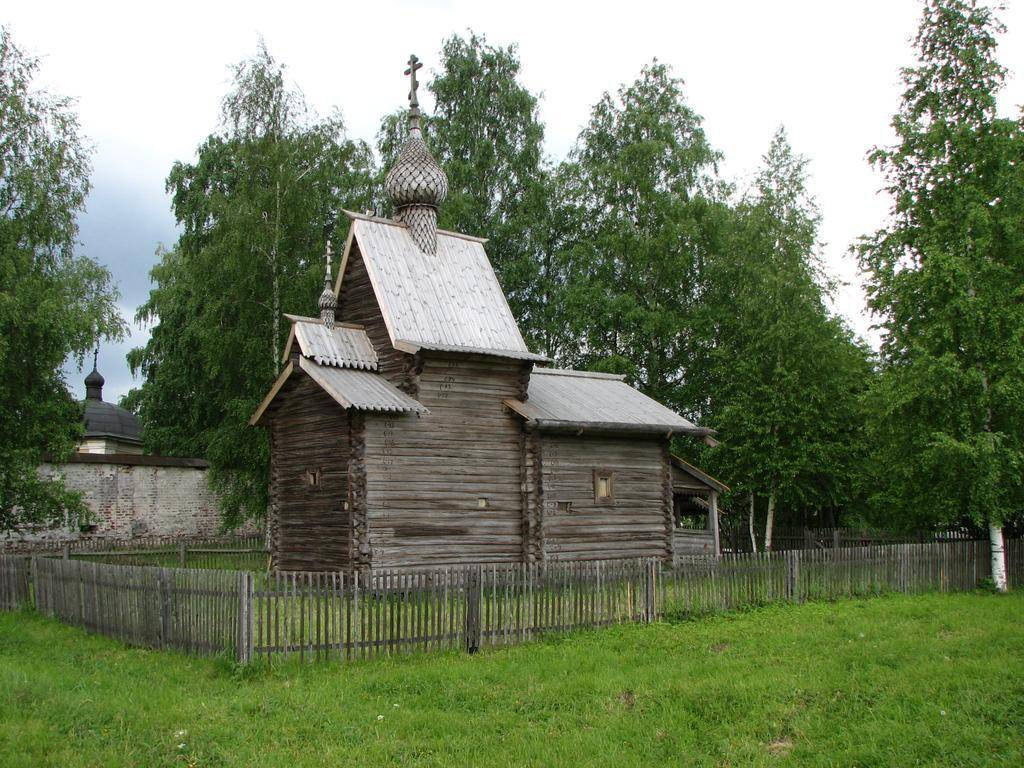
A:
x: 698, y: 474
x: 447, y: 301
x: 597, y: 401
x: 350, y: 388
x: 342, y: 346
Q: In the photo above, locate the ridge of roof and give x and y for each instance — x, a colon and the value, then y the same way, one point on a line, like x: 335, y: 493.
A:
x: 382, y: 220
x: 580, y: 374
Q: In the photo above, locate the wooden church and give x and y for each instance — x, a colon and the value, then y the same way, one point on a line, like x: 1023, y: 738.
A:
x: 412, y: 426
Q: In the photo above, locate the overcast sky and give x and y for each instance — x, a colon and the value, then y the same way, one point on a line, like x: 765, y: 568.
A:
x: 148, y: 79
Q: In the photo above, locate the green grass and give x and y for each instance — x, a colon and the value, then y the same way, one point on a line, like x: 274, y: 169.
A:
x: 900, y: 681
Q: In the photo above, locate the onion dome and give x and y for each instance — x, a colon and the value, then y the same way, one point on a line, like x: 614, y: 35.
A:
x: 416, y: 184
x: 416, y: 178
x: 106, y: 420
x: 94, y: 382
x: 327, y: 303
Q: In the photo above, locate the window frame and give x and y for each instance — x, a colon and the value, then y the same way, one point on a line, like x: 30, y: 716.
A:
x: 609, y: 475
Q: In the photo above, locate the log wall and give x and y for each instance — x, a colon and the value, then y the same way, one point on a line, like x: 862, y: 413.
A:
x: 426, y: 475
x: 691, y: 542
x: 633, y: 524
x: 310, y: 524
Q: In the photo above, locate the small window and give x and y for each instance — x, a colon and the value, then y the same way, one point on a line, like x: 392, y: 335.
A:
x: 481, y: 503
x: 313, y: 477
x: 564, y: 507
x: 604, y: 486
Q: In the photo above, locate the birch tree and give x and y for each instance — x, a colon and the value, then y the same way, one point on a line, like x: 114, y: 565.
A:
x: 255, y: 209
x: 644, y: 207
x: 784, y: 376
x: 945, y: 278
x: 54, y: 303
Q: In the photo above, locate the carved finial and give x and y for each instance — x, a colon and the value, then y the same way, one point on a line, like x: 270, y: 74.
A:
x: 328, y: 304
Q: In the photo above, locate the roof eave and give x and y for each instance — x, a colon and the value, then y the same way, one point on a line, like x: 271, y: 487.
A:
x: 112, y: 436
x: 619, y: 428
x: 412, y: 347
x: 699, y: 474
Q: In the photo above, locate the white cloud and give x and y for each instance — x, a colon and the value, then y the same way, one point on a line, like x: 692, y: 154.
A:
x: 149, y: 77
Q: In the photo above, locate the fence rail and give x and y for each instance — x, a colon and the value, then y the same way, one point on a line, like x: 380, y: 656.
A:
x: 735, y: 537
x: 348, y: 615
x: 229, y: 552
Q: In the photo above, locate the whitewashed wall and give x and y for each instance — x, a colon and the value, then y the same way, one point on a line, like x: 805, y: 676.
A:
x: 133, y: 496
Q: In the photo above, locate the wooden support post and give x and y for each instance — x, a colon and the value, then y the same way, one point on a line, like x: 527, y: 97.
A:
x: 713, y: 520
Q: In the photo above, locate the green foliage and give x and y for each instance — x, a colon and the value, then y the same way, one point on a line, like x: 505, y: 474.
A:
x: 53, y: 304
x: 485, y: 132
x: 900, y: 681
x: 782, y: 376
x: 255, y: 209
x: 945, y: 276
x: 642, y: 208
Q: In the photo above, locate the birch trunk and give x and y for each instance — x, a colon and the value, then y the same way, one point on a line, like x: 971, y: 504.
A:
x: 995, y: 537
x: 770, y: 519
x: 276, y: 287
x: 750, y: 520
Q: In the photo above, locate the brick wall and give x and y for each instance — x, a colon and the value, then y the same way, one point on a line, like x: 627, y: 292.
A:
x: 136, y: 496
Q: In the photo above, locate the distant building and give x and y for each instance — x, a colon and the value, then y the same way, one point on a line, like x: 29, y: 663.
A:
x: 108, y: 428
x: 129, y: 493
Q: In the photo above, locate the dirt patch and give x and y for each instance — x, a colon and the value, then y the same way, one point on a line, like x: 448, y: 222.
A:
x: 780, y: 746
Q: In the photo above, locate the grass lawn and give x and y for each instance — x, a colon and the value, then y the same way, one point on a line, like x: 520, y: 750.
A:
x: 900, y: 681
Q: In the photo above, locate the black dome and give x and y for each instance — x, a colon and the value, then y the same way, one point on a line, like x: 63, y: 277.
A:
x: 107, y: 420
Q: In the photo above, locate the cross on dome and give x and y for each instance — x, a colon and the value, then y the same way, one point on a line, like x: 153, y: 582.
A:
x: 414, y: 64
x: 416, y: 184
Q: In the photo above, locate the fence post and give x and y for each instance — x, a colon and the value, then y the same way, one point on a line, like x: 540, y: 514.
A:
x: 835, y: 538
x: 793, y: 575
x: 65, y: 551
x: 32, y: 584
x: 164, y: 594
x: 243, y: 618
x: 181, y: 553
x: 650, y: 575
x: 473, y: 578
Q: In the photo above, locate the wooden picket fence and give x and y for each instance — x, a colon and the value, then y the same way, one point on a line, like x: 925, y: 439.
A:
x: 227, y: 552
x: 15, y: 583
x: 352, y: 615
x: 193, y: 610
x: 735, y: 537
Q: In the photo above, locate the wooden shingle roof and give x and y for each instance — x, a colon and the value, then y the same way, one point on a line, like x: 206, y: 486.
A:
x: 446, y: 301
x: 571, y: 400
x: 341, y: 346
